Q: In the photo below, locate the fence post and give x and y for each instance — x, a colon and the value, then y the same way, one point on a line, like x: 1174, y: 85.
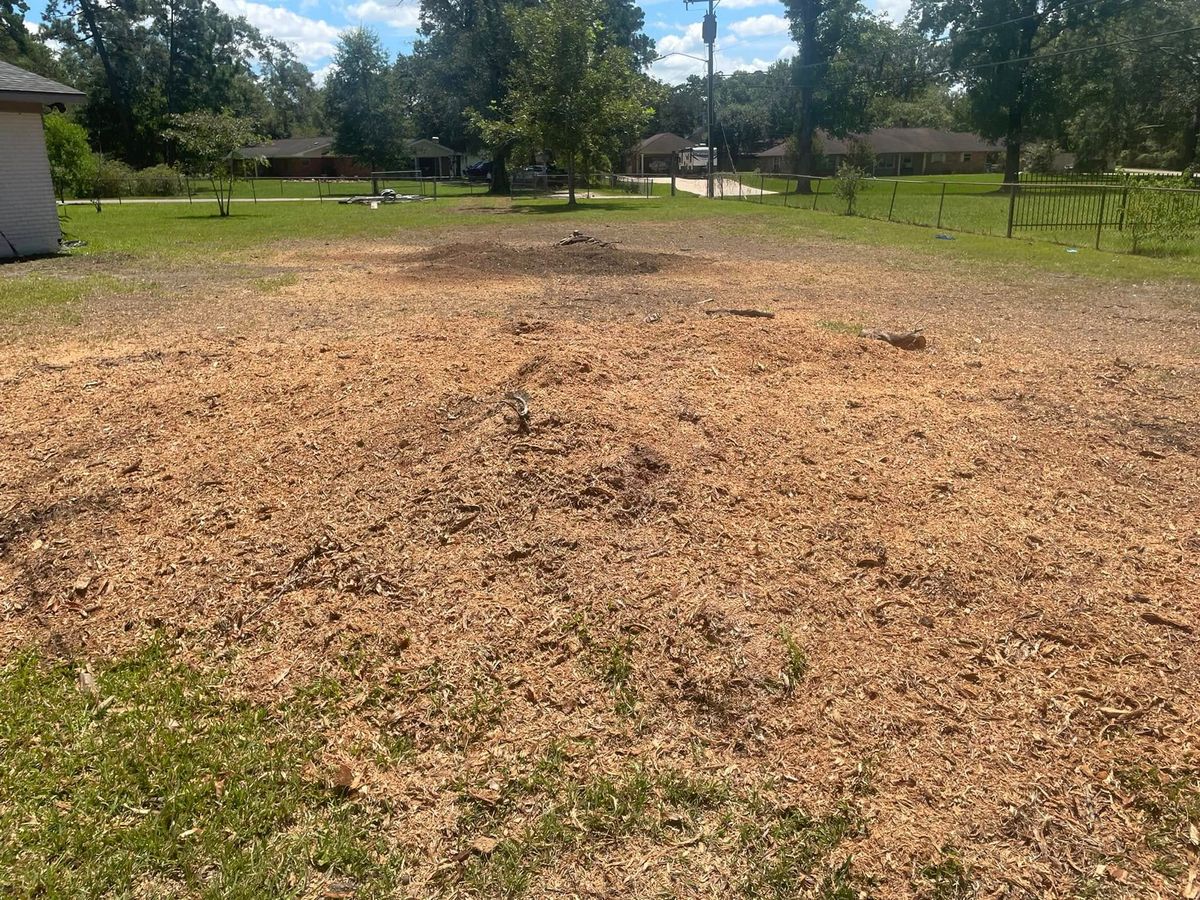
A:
x: 253, y: 191
x: 892, y: 205
x: 1100, y: 218
x: 1124, y: 204
x: 1012, y: 206
x: 787, y: 189
x: 817, y: 193
x: 941, y: 203
x: 762, y: 184
x: 187, y: 186
x: 435, y: 189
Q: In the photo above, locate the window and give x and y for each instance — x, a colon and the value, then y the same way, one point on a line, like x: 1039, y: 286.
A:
x: 966, y: 157
x: 937, y: 157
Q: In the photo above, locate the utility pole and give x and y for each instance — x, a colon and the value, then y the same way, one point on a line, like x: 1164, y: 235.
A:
x: 709, y: 34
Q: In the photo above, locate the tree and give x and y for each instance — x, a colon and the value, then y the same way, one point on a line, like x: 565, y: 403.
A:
x: 1135, y: 102
x: 572, y: 90
x: 359, y: 101
x: 208, y: 143
x: 833, y: 90
x: 463, y: 62
x: 294, y: 105
x: 69, y: 153
x: 994, y: 47
x: 142, y: 61
x: 21, y: 48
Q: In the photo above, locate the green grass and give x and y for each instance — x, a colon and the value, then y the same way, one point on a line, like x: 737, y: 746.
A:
x: 20, y: 295
x: 152, y: 783
x: 969, y: 203
x: 795, y: 664
x: 945, y: 878
x: 181, y: 233
x: 537, y: 818
x: 1170, y: 806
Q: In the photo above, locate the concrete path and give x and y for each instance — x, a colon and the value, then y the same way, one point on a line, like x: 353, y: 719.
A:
x: 723, y: 186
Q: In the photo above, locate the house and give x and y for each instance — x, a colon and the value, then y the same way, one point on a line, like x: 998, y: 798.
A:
x: 28, y: 214
x: 898, y: 151
x: 434, y: 159
x: 308, y: 157
x: 315, y: 157
x: 652, y: 155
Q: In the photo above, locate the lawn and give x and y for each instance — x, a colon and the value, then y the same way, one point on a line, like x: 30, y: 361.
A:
x: 975, y: 204
x: 412, y: 553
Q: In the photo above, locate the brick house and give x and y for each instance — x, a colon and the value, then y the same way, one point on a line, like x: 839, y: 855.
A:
x: 899, y: 152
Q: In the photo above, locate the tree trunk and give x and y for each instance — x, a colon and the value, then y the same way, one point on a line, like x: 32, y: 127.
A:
x: 1191, y: 139
x: 500, y: 183
x: 571, y: 180
x: 1012, y: 159
x: 1016, y: 109
x: 110, y: 73
x: 807, y: 71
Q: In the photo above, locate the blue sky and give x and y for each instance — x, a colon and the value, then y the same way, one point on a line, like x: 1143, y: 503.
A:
x: 752, y: 34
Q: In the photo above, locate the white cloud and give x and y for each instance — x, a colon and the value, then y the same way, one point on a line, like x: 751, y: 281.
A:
x: 319, y: 75
x: 895, y: 10
x: 760, y: 26
x: 403, y: 16
x: 313, y: 40
x: 749, y: 4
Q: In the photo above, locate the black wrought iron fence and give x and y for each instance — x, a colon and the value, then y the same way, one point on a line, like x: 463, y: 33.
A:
x: 1124, y: 215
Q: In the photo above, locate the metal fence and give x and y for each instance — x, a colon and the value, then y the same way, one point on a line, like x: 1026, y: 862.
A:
x: 192, y: 190
x: 1129, y: 214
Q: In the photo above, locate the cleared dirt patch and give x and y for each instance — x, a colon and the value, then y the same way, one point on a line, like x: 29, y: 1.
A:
x: 935, y: 611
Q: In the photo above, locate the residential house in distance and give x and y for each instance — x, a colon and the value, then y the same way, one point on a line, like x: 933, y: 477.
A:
x: 898, y: 152
x: 652, y: 155
x: 315, y: 157
x: 434, y: 159
x: 307, y: 157
x: 28, y: 213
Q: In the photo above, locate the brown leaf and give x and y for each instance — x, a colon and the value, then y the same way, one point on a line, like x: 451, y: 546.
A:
x: 345, y: 779
x: 82, y: 583
x: 486, y: 796
x: 1191, y: 890
x: 340, y: 890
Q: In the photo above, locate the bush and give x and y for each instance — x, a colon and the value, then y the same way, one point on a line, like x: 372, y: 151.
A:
x: 850, y: 182
x: 158, y: 181
x: 1161, y: 220
x: 860, y: 155
x: 108, y: 178
x: 69, y: 154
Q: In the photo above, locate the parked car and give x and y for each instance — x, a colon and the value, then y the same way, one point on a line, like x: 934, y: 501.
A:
x: 480, y: 171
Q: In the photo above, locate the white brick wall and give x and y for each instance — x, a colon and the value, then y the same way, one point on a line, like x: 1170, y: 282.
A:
x: 28, y: 217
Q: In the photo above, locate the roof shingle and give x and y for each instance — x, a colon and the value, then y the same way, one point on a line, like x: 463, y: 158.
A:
x: 18, y: 85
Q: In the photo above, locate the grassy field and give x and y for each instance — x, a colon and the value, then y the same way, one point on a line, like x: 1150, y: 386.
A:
x: 966, y: 203
x: 139, y: 229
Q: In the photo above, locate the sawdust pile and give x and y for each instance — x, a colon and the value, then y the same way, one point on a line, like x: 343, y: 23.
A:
x: 986, y: 552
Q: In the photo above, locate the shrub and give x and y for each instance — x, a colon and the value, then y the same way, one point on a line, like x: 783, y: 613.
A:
x: 158, y: 181
x: 860, y: 155
x: 850, y: 182
x: 69, y: 154
x: 1161, y: 220
x: 109, y: 178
